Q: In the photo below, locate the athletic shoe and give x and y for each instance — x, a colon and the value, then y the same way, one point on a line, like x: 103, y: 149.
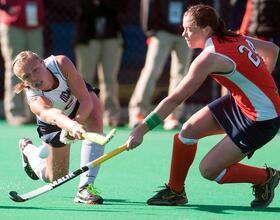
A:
x: 136, y: 120
x: 25, y: 163
x: 88, y: 194
x: 168, y: 197
x: 170, y: 123
x: 264, y: 193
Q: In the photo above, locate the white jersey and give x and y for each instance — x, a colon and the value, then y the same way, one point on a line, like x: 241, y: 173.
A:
x: 61, y: 96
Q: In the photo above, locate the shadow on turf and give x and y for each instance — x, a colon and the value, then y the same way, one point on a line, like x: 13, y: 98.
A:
x: 217, y: 209
x: 119, y: 202
x: 223, y: 209
x: 78, y: 209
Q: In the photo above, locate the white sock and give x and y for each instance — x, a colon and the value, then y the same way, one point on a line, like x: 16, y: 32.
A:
x: 37, y: 164
x: 221, y: 175
x: 90, y: 151
x: 187, y: 140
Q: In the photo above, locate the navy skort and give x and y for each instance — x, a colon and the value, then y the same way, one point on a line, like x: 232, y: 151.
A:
x: 247, y: 134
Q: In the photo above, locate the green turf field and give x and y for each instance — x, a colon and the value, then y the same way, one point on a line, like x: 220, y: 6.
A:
x: 128, y: 180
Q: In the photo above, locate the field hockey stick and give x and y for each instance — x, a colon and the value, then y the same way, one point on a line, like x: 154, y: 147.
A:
x: 50, y: 186
x: 98, y: 138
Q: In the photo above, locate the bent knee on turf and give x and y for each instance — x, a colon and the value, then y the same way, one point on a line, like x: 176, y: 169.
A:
x: 208, y: 172
x: 187, y: 131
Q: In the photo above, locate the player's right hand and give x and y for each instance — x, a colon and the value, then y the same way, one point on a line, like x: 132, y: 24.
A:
x: 77, y: 131
x: 135, y: 138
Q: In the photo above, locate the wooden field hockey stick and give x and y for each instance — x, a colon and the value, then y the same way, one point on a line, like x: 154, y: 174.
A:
x: 13, y: 195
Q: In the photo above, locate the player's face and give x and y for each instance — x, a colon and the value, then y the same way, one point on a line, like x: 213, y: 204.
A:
x: 194, y: 35
x: 35, y: 75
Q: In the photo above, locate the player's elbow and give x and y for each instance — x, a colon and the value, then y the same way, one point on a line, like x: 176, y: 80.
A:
x: 275, y: 49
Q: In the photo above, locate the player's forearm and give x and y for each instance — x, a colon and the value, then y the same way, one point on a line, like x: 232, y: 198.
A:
x: 166, y: 106
x: 58, y: 118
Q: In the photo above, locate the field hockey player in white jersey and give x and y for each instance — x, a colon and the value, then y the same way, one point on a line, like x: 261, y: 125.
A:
x: 65, y: 107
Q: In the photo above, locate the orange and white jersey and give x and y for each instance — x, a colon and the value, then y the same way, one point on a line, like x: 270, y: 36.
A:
x: 250, y: 83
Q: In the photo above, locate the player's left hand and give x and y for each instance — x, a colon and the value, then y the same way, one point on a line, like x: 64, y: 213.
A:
x: 66, y: 138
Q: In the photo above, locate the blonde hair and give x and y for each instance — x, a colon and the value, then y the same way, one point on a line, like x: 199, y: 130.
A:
x: 20, y: 60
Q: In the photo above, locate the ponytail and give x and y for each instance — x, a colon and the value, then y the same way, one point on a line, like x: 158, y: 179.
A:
x: 19, y: 87
x: 222, y: 33
x: 221, y: 28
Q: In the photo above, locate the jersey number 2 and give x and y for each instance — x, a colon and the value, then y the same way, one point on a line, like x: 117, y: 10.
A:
x: 252, y: 56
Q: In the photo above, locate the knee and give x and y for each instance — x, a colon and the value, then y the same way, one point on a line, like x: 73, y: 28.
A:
x: 187, y: 130
x: 207, y: 171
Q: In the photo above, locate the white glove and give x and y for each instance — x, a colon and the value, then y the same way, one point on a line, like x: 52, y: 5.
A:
x: 65, y: 138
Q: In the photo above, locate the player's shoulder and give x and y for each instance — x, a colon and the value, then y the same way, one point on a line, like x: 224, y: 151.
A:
x: 61, y: 59
x: 53, y: 59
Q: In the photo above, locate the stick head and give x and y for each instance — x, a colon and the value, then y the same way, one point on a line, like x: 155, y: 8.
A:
x: 110, y: 135
x: 98, y: 138
x: 13, y: 195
